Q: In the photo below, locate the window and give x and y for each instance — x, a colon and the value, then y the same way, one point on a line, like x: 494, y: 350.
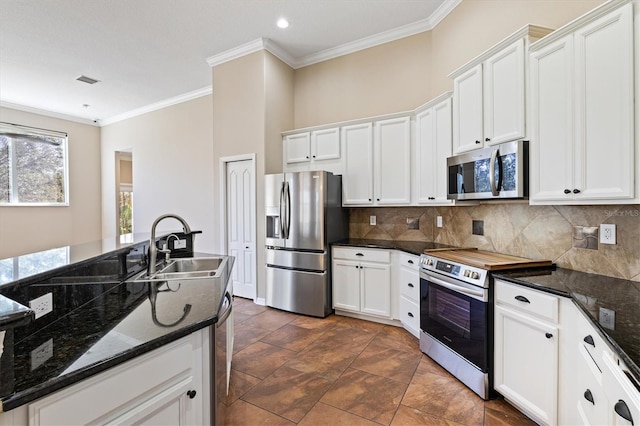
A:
x: 33, y: 166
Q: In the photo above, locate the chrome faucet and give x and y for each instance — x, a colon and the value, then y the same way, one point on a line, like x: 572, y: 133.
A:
x: 153, y: 250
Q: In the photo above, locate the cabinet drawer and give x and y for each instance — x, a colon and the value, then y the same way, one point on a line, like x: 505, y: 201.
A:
x: 410, y: 284
x: 526, y: 300
x: 592, y: 403
x: 590, y: 339
x: 409, y: 313
x: 409, y: 260
x: 620, y: 392
x: 365, y: 255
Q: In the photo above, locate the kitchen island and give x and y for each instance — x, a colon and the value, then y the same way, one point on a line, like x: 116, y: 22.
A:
x: 105, y: 320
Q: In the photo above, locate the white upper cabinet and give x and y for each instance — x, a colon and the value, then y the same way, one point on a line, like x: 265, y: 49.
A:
x: 377, y: 169
x: 392, y: 156
x: 489, y: 94
x: 582, y: 111
x: 433, y: 146
x: 315, y: 150
x: 357, y: 178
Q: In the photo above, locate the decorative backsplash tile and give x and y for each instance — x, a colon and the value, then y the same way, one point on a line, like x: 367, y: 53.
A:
x: 536, y: 232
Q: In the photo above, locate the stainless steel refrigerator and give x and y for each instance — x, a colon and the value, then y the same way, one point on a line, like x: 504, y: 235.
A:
x: 304, y: 214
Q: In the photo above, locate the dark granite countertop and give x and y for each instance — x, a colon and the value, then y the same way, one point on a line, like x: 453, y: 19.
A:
x: 97, y: 324
x: 411, y: 247
x: 590, y: 292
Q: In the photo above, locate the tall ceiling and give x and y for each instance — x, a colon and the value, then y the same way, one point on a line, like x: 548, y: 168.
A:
x: 146, y: 52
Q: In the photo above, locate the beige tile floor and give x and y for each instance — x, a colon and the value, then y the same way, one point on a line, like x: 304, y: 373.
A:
x: 292, y: 369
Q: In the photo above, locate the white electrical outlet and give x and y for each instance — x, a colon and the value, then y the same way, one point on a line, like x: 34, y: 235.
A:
x: 41, y: 354
x: 607, y: 318
x: 439, y: 221
x: 180, y: 244
x: 607, y: 233
x: 372, y: 220
x: 42, y: 305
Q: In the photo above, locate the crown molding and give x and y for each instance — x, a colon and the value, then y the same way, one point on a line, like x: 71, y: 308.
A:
x: 381, y: 38
x: 158, y: 105
x: 335, y: 52
x: 48, y: 113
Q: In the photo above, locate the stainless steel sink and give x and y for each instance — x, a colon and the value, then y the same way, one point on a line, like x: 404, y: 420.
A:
x: 189, y: 268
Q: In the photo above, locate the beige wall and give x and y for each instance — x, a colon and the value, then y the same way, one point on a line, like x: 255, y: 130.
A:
x: 30, y: 229
x: 173, y: 169
x: 406, y: 73
x: 252, y: 104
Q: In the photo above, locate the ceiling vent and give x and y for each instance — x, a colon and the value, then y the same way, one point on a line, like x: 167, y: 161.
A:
x: 88, y: 80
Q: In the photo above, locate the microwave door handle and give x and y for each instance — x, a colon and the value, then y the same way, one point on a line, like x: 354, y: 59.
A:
x: 495, y: 189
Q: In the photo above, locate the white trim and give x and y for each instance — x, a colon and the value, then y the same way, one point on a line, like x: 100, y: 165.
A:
x: 380, y: 38
x: 335, y: 52
x: 158, y: 105
x: 260, y: 301
x: 47, y: 113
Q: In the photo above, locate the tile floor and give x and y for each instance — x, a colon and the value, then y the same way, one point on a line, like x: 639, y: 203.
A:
x: 291, y: 369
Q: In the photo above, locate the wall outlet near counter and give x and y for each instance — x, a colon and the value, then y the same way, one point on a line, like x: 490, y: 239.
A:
x: 42, y: 305
x: 607, y: 233
x: 607, y: 318
x: 439, y: 221
x: 372, y: 220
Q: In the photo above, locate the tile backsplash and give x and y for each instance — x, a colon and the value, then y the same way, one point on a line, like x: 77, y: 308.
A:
x: 536, y: 232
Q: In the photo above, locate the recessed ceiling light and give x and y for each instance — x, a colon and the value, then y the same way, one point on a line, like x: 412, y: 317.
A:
x: 282, y: 23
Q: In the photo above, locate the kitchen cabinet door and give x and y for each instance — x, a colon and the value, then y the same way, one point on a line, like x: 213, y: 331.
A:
x: 583, y: 148
x: 357, y: 177
x: 297, y: 148
x: 346, y: 285
x: 604, y: 81
x: 467, y: 111
x: 526, y: 363
x: 325, y: 144
x: 392, y: 154
x: 433, y: 146
x: 375, y: 289
x: 503, y: 107
x: 551, y: 128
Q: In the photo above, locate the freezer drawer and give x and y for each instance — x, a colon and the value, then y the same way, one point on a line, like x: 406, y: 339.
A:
x: 297, y: 259
x: 301, y: 292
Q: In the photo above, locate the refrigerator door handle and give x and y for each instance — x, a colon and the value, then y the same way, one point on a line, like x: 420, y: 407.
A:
x: 287, y: 195
x: 282, y: 218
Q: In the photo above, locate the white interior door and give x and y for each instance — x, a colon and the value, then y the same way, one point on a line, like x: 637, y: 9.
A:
x: 241, y: 222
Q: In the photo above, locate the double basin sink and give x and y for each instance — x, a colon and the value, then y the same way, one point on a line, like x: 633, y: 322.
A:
x: 187, y: 268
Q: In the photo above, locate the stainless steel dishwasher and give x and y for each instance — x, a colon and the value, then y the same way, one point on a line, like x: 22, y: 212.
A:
x: 222, y: 341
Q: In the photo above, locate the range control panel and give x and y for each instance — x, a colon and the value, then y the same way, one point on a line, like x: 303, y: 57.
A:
x: 468, y: 274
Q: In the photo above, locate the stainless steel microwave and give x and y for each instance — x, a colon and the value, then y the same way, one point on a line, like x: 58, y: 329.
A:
x: 497, y: 172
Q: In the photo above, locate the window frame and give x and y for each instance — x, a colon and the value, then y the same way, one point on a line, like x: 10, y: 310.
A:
x: 28, y: 130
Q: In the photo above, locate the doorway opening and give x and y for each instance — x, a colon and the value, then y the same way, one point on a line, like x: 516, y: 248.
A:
x: 124, y: 196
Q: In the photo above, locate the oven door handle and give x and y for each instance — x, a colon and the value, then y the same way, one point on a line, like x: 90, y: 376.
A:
x: 476, y: 294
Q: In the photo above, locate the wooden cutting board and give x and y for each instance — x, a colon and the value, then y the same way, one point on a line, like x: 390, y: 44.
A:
x: 489, y: 260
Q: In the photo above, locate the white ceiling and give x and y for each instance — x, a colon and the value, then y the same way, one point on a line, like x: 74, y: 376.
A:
x: 148, y: 53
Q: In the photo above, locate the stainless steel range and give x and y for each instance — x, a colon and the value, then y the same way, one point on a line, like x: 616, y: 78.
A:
x: 456, y: 311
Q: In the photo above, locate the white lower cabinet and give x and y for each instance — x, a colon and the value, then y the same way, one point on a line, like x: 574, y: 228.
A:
x: 166, y: 386
x: 409, y: 286
x: 526, y: 349
x: 362, y: 281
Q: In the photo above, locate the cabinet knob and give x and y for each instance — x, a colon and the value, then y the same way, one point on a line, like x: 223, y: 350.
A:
x: 191, y: 394
x: 314, y: 156
x: 589, y: 396
x: 548, y: 335
x: 478, y: 142
x: 567, y: 191
x: 576, y: 191
x: 410, y: 262
x: 431, y: 198
x: 359, y: 254
x: 307, y: 157
x: 410, y: 314
x: 589, y: 339
x: 377, y: 199
x: 410, y: 285
x: 522, y: 299
x: 487, y: 139
x: 623, y: 411
x: 369, y: 199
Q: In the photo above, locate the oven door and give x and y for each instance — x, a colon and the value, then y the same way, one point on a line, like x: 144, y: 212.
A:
x: 457, y: 315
